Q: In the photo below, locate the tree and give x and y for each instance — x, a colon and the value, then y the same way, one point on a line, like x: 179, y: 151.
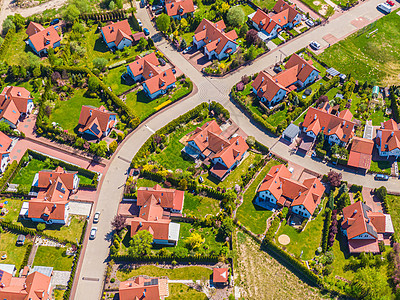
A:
x: 370, y: 283
x: 227, y: 227
x: 194, y: 241
x: 142, y: 44
x: 111, y: 5
x: 19, y: 22
x: 100, y: 63
x: 243, y: 30
x: 101, y: 149
x: 235, y: 16
x: 342, y: 201
x: 119, y: 4
x: 334, y: 178
x: 141, y: 243
x: 8, y: 24
x: 113, y: 146
x: 251, y: 53
x: 183, y: 44
x: 4, y: 127
x: 331, y: 201
x: 180, y: 252
x: 251, y: 141
x: 184, y: 24
x: 163, y: 22
x: 381, y: 193
x: 118, y: 223
x: 183, y: 184
x: 41, y: 226
x: 71, y: 13
x: 93, y: 84
x: 252, y: 37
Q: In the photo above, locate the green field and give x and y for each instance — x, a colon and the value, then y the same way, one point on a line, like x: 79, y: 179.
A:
x: 53, y: 257
x: 200, y: 206
x: 394, y: 208
x: 179, y: 291
x: 269, y: 4
x: 15, y: 254
x: 369, y: 56
x: 14, y: 207
x: 212, y: 242
x: 250, y: 215
x: 114, y: 80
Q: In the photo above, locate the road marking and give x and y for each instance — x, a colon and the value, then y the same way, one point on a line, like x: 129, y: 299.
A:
x: 151, y: 130
x: 90, y: 278
x: 124, y: 159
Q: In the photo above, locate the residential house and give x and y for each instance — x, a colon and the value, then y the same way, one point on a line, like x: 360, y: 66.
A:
x: 179, y: 8
x: 35, y: 286
x: 286, y: 15
x: 263, y: 23
x: 117, y: 35
x: 155, y: 82
x: 51, y: 204
x: 209, y: 144
x: 336, y: 128
x: 217, y: 44
x: 388, y: 139
x: 361, y: 153
x: 297, y: 75
x: 152, y: 288
x: 365, y: 228
x: 41, y: 39
x: 278, y: 189
x: 220, y: 276
x: 96, y: 122
x: 15, y: 103
x: 291, y: 133
x: 5, y: 144
x: 155, y: 206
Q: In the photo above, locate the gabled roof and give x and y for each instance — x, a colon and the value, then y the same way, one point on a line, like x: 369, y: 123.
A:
x: 160, y: 81
x: 303, y: 67
x: 33, y: 28
x: 208, y: 136
x: 282, y: 7
x: 390, y: 136
x: 115, y: 32
x: 390, y: 125
x: 94, y: 119
x: 266, y: 86
x: 144, y: 288
x: 179, y: 7
x: 233, y: 152
x: 330, y: 124
x: 45, y: 39
x: 220, y: 275
x: 47, y: 177
x: 361, y: 153
x: 214, y: 36
x: 19, y: 95
x: 263, y: 21
x: 5, y: 143
x: 169, y: 198
x: 137, y: 66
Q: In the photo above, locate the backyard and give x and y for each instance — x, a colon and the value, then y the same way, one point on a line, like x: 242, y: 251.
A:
x: 116, y: 82
x: 212, y: 241
x: 15, y: 254
x: 370, y: 54
x: 17, y: 52
x: 250, y: 215
x: 13, y: 206
x: 394, y: 208
x: 200, y: 206
x: 179, y: 291
x: 268, y: 4
x: 53, y: 257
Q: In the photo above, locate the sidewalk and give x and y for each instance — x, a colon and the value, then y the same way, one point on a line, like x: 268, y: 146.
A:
x: 306, y: 9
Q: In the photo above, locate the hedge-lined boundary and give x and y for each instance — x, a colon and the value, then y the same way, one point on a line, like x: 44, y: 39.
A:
x: 105, y: 16
x: 325, y: 231
x: 164, y: 258
x: 7, y: 40
x: 26, y: 257
x: 10, y: 170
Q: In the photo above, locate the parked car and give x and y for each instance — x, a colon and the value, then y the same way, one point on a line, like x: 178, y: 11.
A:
x: 96, y: 217
x: 187, y: 50
x: 390, y: 2
x: 381, y: 177
x: 384, y: 7
x: 20, y: 240
x: 303, y: 17
x: 314, y: 45
x: 162, y: 61
x: 55, y: 21
x: 140, y: 22
x: 156, y: 7
x: 173, y: 71
x: 157, y: 12
x: 277, y: 69
x: 309, y: 23
x: 146, y: 31
x: 93, y: 232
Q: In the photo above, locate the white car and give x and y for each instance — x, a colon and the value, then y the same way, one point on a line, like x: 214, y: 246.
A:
x: 96, y: 217
x: 314, y: 45
x: 93, y: 232
x: 140, y: 23
x: 309, y: 23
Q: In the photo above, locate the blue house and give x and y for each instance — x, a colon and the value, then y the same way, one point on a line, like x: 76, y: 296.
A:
x: 96, y: 122
x: 117, y: 35
x: 41, y: 39
x: 179, y: 9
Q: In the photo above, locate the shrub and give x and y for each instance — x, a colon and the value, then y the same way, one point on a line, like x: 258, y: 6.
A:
x: 40, y: 227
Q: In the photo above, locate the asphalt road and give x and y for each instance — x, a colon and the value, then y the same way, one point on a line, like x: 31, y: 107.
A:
x: 215, y: 89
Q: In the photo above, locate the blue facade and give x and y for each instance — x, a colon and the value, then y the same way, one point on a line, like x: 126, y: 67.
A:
x: 43, y: 51
x: 158, y: 93
x: 138, y: 78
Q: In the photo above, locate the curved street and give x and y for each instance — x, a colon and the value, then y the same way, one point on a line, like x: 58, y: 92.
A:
x: 89, y: 281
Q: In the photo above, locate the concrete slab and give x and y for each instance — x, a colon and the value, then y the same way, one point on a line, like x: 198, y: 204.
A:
x: 80, y: 208
x: 60, y: 278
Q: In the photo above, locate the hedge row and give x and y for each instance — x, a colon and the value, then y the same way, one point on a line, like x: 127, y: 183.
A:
x: 105, y: 16
x: 356, y: 188
x: 67, y: 293
x: 261, y: 147
x: 7, y: 174
x: 7, y: 40
x: 272, y: 229
x: 250, y: 173
x: 129, y: 196
x: 159, y: 258
x: 26, y: 257
x: 325, y: 232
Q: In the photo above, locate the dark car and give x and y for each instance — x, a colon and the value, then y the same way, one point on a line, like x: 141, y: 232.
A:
x: 381, y: 177
x: 55, y: 21
x: 162, y: 61
x: 20, y: 240
x: 146, y: 31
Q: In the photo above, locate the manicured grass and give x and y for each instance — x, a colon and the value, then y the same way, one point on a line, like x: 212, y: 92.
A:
x: 294, y: 32
x: 394, y: 208
x: 277, y: 41
x: 15, y: 254
x: 188, y: 36
x: 114, y: 80
x: 142, y: 182
x: 17, y: 50
x: 378, y: 117
x: 306, y: 241
x: 341, y: 253
x: 14, y: 207
x: 66, y: 113
x: 369, y: 57
x: 379, y: 166
x: 200, y: 206
x: 250, y: 215
x: 314, y: 7
x: 53, y: 257
x: 269, y: 4
x: 179, y: 291
x: 209, y: 233
x: 193, y: 273
x: 277, y: 117
x: 332, y: 93
x: 247, y: 9
x: 355, y: 102
x: 58, y: 294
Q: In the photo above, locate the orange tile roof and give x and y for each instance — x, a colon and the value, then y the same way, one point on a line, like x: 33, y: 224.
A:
x: 160, y: 81
x: 390, y: 125
x: 390, y: 136
x: 91, y: 116
x: 115, y: 32
x: 169, y: 198
x: 263, y: 21
x: 33, y: 28
x: 208, y: 136
x: 5, y: 143
x: 303, y: 67
x: 45, y: 39
x: 46, y: 178
x: 137, y: 66
x: 35, y: 286
x: 19, y: 97
x: 213, y: 34
x: 179, y: 7
x: 266, y: 86
x: 361, y: 153
x: 144, y: 288
x: 220, y: 275
x: 233, y: 152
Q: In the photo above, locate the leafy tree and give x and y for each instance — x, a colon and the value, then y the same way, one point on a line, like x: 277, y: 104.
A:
x: 235, y: 16
x: 93, y: 84
x: 243, y: 30
x: 33, y: 61
x: 184, y: 24
x: 118, y: 223
x: 119, y: 4
x: 19, y: 22
x: 342, y: 201
x: 183, y: 184
x: 334, y: 178
x: 331, y: 201
x: 227, y: 227
x: 102, y: 148
x: 163, y: 22
x: 251, y: 53
x: 70, y: 13
x: 41, y: 226
x: 111, y: 5
x: 183, y: 44
x: 252, y: 37
x: 194, y: 241
x: 251, y: 141
x: 113, y: 146
x: 141, y: 243
x: 82, y: 5
x: 142, y: 44
x: 381, y: 193
x: 370, y: 283
x: 100, y: 63
x: 180, y: 252
x: 2, y: 40
x: 8, y: 24
x: 4, y: 127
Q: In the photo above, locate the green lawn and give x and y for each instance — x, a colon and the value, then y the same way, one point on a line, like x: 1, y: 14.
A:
x: 15, y: 254
x: 53, y: 257
x: 114, y: 80
x: 193, y: 273
x: 394, y: 208
x: 277, y: 117
x: 13, y: 206
x: 269, y: 4
x: 179, y: 291
x: 307, y: 241
x: 277, y: 41
x: 17, y: 51
x: 355, y: 102
x: 209, y: 233
x: 369, y: 57
x: 378, y: 117
x: 142, y: 182
x: 247, y: 9
x: 250, y: 215
x: 379, y: 166
x: 200, y: 206
x: 66, y: 113
x: 313, y: 4
x: 58, y: 294
x: 188, y: 36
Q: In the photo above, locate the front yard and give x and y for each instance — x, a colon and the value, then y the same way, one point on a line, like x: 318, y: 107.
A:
x: 53, y: 257
x: 249, y: 214
x: 15, y: 254
x: 394, y: 207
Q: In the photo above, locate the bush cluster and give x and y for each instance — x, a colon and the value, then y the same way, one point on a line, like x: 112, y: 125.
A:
x: 26, y: 257
x: 325, y: 232
x: 7, y: 173
x: 7, y: 40
x: 114, y: 15
x: 165, y: 258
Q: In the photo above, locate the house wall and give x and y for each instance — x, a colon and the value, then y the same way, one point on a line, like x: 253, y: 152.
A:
x: 218, y: 160
x: 279, y: 96
x: 30, y: 106
x: 394, y: 152
x: 301, y: 210
x: 52, y: 221
x: 364, y: 236
x: 76, y: 181
x: 124, y: 43
x: 311, y: 78
x: 273, y: 34
x: 158, y: 93
x: 228, y: 45
x: 4, y: 162
x: 136, y: 78
x: 89, y: 132
x: 111, y: 119
x: 199, y: 44
x: 266, y: 196
x: 334, y: 139
x: 164, y: 242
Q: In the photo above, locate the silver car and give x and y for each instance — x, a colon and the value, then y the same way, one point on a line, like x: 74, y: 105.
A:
x: 93, y: 232
x: 314, y: 45
x: 309, y: 23
x: 96, y: 217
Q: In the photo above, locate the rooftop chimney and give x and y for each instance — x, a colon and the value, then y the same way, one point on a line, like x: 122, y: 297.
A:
x: 222, y: 147
x: 355, y: 211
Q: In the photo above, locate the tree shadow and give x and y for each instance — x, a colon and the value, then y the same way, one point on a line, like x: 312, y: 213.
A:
x: 142, y: 98
x: 100, y: 46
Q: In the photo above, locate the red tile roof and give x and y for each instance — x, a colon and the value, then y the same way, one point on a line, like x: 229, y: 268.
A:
x: 115, y: 32
x: 390, y: 125
x: 45, y: 39
x: 285, y: 13
x: 13, y: 102
x: 138, y: 35
x: 214, y: 36
x: 144, y: 288
x: 169, y: 198
x: 361, y: 153
x: 266, y: 86
x: 160, y: 81
x: 137, y: 66
x: 5, y: 143
x: 92, y: 116
x: 389, y: 139
x: 220, y: 275
x: 263, y: 21
x: 233, y: 152
x: 47, y: 178
x: 35, y: 286
x: 179, y: 7
x: 317, y: 119
x: 359, y: 246
x: 33, y: 28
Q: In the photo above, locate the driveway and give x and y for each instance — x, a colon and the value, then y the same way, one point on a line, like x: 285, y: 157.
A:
x: 80, y: 208
x: 60, y: 278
